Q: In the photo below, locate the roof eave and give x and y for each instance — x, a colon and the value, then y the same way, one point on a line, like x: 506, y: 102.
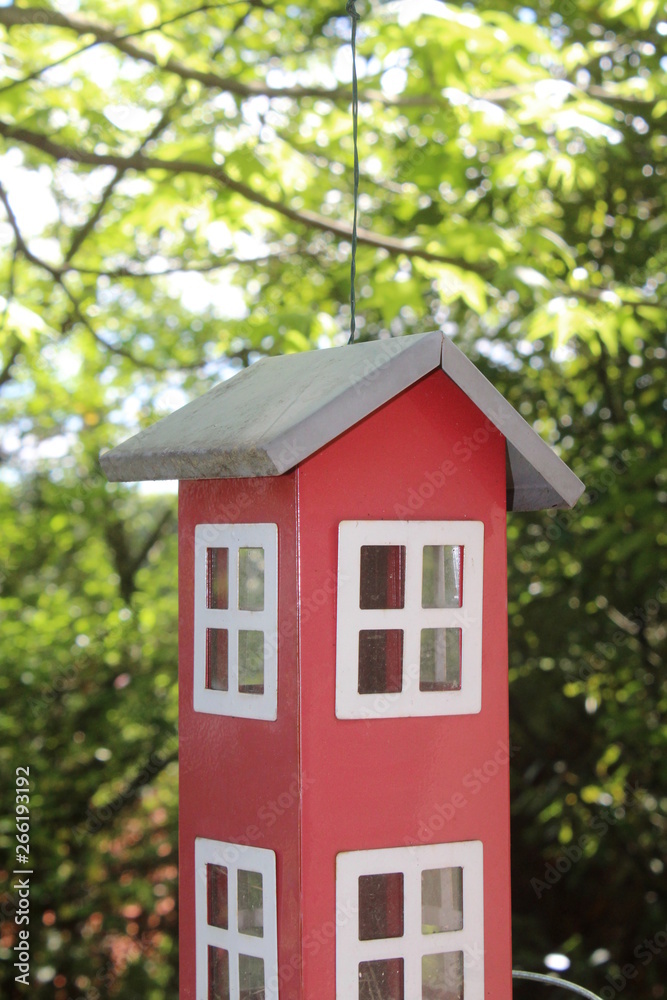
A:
x: 537, y: 478
x: 126, y: 466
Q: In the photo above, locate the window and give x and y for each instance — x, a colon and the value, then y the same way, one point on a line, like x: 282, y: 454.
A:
x: 409, y: 618
x: 236, y: 607
x: 418, y: 927
x: 236, y: 937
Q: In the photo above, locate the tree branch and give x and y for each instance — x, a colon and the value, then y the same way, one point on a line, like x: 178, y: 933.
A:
x: 10, y: 16
x: 95, y: 818
x: 393, y: 187
x: 127, y: 565
x: 312, y: 220
x: 132, y: 34
x: 165, y: 522
x: 596, y: 296
x: 10, y: 285
x: 57, y: 275
x: 15, y: 343
x: 36, y: 73
x: 504, y: 94
x: 14, y: 351
x: 202, y: 267
x: 84, y: 231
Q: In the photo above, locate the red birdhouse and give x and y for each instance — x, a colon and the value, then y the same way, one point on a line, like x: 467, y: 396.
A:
x: 344, y: 793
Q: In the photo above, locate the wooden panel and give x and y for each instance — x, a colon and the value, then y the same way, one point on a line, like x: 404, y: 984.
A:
x: 380, y: 783
x: 239, y: 778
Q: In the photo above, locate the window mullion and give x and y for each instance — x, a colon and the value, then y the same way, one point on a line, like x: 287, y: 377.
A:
x: 233, y: 594
x: 413, y: 576
x: 215, y: 617
x: 442, y: 618
x: 411, y: 943
x: 381, y: 618
x: 234, y: 975
x: 411, y: 653
x: 412, y: 985
x: 233, y: 662
x: 433, y: 944
x: 413, y: 614
x: 217, y: 937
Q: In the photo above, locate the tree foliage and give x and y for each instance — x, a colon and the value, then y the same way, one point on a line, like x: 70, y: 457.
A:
x: 176, y: 185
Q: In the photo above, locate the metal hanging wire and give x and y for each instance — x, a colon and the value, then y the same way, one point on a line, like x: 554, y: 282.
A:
x: 538, y: 977
x: 351, y: 9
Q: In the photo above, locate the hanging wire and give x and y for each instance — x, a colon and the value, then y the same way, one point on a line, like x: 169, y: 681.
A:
x: 351, y: 9
x: 538, y: 977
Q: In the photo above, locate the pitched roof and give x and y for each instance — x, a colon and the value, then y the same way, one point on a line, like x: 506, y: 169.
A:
x: 274, y: 414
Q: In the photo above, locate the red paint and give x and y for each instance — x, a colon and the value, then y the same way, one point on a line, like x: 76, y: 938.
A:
x: 391, y: 782
x: 239, y: 778
x: 429, y: 454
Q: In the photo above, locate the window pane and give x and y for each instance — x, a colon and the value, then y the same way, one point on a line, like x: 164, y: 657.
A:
x: 251, y: 903
x: 440, y: 659
x: 251, y: 977
x: 442, y: 576
x: 442, y: 900
x: 218, y: 974
x: 382, y: 576
x: 251, y: 662
x: 217, y: 659
x: 216, y: 895
x: 381, y: 980
x: 380, y: 660
x: 442, y: 976
x: 380, y: 906
x: 217, y: 578
x: 251, y: 579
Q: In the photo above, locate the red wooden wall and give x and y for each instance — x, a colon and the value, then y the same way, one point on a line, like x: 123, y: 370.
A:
x: 239, y: 778
x: 390, y: 782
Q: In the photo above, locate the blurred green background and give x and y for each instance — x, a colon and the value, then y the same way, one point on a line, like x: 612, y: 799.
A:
x: 176, y: 199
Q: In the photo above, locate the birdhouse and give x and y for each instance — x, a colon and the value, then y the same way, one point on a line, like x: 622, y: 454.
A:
x: 344, y: 743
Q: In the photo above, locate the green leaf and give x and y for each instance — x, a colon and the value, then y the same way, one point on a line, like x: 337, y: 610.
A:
x: 453, y: 283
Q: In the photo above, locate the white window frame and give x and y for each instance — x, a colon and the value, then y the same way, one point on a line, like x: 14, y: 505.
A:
x: 233, y: 702
x: 234, y: 857
x: 413, y: 945
x: 412, y: 618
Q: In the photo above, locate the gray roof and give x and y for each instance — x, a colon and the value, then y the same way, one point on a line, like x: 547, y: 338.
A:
x: 274, y: 414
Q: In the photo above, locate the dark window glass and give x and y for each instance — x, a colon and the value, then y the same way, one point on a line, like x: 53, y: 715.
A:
x: 216, y: 895
x: 381, y: 980
x: 218, y: 974
x: 217, y: 578
x: 382, y: 576
x: 380, y: 906
x: 380, y: 661
x: 217, y: 659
